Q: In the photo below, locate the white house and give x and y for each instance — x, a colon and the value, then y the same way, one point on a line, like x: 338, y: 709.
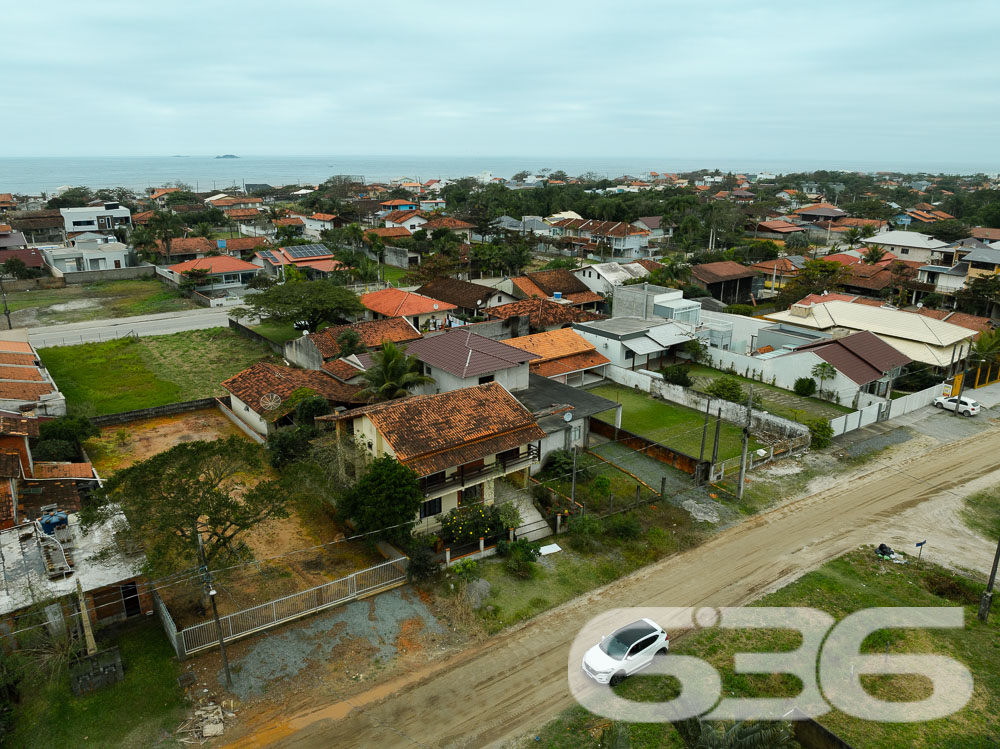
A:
x: 101, y: 218
x: 633, y: 343
x: 912, y: 245
x: 602, y: 278
x: 86, y: 256
x: 320, y: 222
x: 621, y: 238
x: 410, y: 220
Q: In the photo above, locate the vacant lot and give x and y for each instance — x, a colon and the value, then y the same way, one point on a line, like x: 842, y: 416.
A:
x: 672, y: 425
x: 981, y: 512
x: 129, y: 374
x: 854, y: 582
x: 774, y: 400
x: 94, y: 301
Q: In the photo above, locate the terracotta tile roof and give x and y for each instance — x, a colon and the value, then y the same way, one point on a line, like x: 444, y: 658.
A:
x: 863, y: 356
x: 324, y: 266
x: 24, y: 391
x: 16, y: 347
x: 395, y: 202
x: 244, y: 244
x: 454, y: 291
x: 63, y: 470
x: 10, y: 465
x: 341, y: 369
x: 323, y: 216
x: 780, y: 227
x: 970, y: 322
x: 543, y: 313
x: 241, y: 214
x: 371, y: 333
x: 528, y: 288
x: 401, y: 217
x: 215, y: 264
x: 431, y: 433
x: 552, y: 344
x: 31, y: 257
x: 572, y: 363
x: 446, y: 222
x: 648, y: 264
x: 985, y: 233
x: 189, y: 245
x: 160, y: 192
x: 560, y: 279
x: 20, y: 373
x: 781, y: 264
x: 6, y: 197
x: 724, y: 270
x: 584, y: 297
x: 600, y: 228
x: 18, y: 426
x: 463, y: 353
x: 399, y: 303
x: 389, y: 232
x: 263, y: 378
x: 142, y: 217
x: 223, y: 202
x: 288, y: 222
x: 17, y: 359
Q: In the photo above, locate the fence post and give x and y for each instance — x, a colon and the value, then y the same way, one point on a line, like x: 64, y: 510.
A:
x: 447, y: 557
x: 482, y: 548
x: 558, y: 523
x: 510, y: 535
x: 274, y: 612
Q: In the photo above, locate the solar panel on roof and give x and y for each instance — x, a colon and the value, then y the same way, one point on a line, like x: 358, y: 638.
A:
x: 267, y: 256
x: 307, y: 250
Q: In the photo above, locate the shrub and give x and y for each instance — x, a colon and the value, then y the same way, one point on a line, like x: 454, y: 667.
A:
x: 693, y: 292
x: 677, y: 374
x: 559, y: 463
x: 727, y: 388
x: 585, y: 532
x: 739, y: 309
x: 55, y: 450
x: 510, y: 516
x: 68, y: 428
x: 805, y: 386
x: 422, y: 565
x: 600, y: 487
x: 519, y: 558
x: 307, y: 410
x: 466, y: 569
x: 821, y: 431
x: 470, y: 523
x: 287, y: 445
x: 624, y: 525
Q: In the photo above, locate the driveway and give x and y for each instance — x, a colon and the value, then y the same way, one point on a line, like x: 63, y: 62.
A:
x: 141, y: 325
x: 515, y: 682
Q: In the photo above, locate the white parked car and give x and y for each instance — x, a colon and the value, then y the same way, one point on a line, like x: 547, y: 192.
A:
x: 625, y: 651
x: 967, y: 407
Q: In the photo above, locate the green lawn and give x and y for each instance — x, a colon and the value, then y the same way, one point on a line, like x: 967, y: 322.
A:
x: 278, y: 332
x: 95, y: 301
x: 674, y: 426
x: 129, y: 374
x: 780, y: 402
x: 982, y: 512
x: 853, y: 582
x: 135, y: 712
x: 393, y: 274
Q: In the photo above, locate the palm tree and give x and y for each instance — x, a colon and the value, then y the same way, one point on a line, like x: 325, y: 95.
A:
x: 674, y: 270
x: 366, y: 271
x: 867, y: 231
x: 853, y: 237
x: 354, y: 234
x: 874, y: 254
x: 202, y: 229
x: 166, y: 227
x: 751, y: 734
x: 823, y: 371
x: 393, y: 374
x: 143, y: 241
x: 377, y: 247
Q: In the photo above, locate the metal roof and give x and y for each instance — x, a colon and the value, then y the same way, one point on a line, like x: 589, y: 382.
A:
x: 643, y: 345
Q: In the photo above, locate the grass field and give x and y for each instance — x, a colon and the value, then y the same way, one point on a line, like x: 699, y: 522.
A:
x: 982, y: 512
x: 674, y: 426
x: 278, y: 332
x: 854, y: 582
x: 393, y: 274
x: 95, y: 301
x: 774, y: 400
x: 128, y: 374
x: 135, y: 712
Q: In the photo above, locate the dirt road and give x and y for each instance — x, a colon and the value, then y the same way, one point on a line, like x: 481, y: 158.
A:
x: 516, y: 681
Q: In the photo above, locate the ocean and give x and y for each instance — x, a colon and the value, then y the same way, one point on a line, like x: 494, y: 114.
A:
x: 34, y: 175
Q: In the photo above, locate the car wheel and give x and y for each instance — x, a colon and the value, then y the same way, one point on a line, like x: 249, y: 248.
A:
x: 661, y: 651
x: 617, y: 679
x: 966, y: 413
x: 939, y: 405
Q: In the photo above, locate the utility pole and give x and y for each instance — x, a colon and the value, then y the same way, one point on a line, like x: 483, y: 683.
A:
x: 715, y: 445
x: 6, y: 310
x: 961, y: 388
x: 572, y: 492
x: 746, y: 445
x: 704, y: 431
x: 210, y: 589
x: 987, y: 599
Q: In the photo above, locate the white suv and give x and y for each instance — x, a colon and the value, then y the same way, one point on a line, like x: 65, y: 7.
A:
x: 625, y: 651
x: 967, y: 407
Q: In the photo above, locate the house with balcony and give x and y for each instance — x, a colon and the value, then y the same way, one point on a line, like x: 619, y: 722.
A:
x: 103, y: 219
x: 614, y: 238
x: 458, y: 442
x: 87, y: 255
x: 912, y: 245
x: 39, y: 227
x: 424, y: 312
x: 214, y: 276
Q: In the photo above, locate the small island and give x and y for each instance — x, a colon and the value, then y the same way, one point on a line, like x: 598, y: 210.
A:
x: 227, y: 156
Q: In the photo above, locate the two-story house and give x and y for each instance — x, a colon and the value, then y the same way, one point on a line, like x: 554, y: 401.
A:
x: 317, y: 223
x: 614, y: 238
x: 912, y: 245
x: 100, y: 218
x: 559, y: 284
x: 409, y: 220
x: 458, y: 442
x: 215, y: 275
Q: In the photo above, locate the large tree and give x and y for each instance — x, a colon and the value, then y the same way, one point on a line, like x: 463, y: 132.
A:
x: 949, y: 230
x: 392, y: 374
x: 815, y: 277
x: 166, y: 227
x: 194, y: 488
x: 310, y: 302
x: 386, y: 498
x: 438, y: 265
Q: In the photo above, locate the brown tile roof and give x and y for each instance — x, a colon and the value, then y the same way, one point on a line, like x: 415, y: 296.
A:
x: 780, y: 227
x: 648, y: 264
x: 263, y: 378
x: 724, y: 270
x: 288, y: 222
x: 528, y: 288
x: 572, y: 363
x: 223, y: 202
x: 454, y: 291
x: 464, y: 353
x: 244, y: 244
x: 560, y: 279
x: 17, y: 359
x: 397, y: 201
x: 189, y: 245
x: 341, y: 369
x: 16, y: 347
x: 430, y: 433
x: 446, y: 222
x: 161, y: 191
x: 63, y: 470
x: 970, y: 322
x: 47, y: 219
x: 10, y: 464
x: 20, y: 373
x: 215, y: 264
x: 18, y: 426
x: 401, y: 217
x: 543, y: 313
x: 323, y: 216
x: 399, y: 303
x: 985, y: 233
x: 600, y: 228
x: 552, y: 344
x: 142, y: 217
x: 24, y: 391
x: 584, y: 297
x: 240, y: 214
x: 863, y: 357
x: 371, y: 333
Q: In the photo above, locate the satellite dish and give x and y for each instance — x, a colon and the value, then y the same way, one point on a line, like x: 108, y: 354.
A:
x: 568, y: 416
x: 270, y: 401
x: 435, y: 306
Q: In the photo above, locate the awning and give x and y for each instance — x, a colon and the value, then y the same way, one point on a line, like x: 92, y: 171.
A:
x: 643, y: 345
x: 668, y: 335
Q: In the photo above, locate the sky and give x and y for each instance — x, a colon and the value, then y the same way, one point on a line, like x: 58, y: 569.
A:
x: 873, y: 80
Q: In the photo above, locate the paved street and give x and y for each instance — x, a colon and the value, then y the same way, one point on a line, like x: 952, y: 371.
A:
x: 142, y: 325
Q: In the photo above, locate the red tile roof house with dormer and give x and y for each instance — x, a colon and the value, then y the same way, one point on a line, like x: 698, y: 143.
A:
x: 622, y: 239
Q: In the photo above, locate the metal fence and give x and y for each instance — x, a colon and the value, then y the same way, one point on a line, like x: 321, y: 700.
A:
x: 273, y: 613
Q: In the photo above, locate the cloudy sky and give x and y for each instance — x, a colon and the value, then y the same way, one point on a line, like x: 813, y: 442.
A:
x: 869, y: 80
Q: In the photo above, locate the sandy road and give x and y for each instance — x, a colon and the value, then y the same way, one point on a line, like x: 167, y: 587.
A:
x: 516, y: 681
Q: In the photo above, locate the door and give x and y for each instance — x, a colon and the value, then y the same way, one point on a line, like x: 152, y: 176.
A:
x: 130, y: 597
x: 640, y: 654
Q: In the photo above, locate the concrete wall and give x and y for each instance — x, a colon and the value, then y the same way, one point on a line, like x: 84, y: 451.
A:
x: 745, y: 329
x: 148, y: 413
x: 250, y: 417
x: 253, y: 335
x: 33, y: 284
x: 109, y: 274
x: 302, y: 352
x: 782, y: 371
x: 638, y: 300
x: 512, y: 378
x: 499, y: 330
x: 882, y: 410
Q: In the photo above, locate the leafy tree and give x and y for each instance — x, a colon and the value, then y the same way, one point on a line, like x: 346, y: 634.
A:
x: 932, y: 300
x: 202, y: 229
x: 823, y: 371
x: 815, y: 277
x: 287, y: 445
x: 310, y: 302
x: 986, y: 348
x: 674, y: 271
x: 392, y: 374
x: 438, y: 265
x: 349, y: 343
x: 75, y: 197
x: 798, y: 241
x: 696, y: 349
x: 521, y: 175
x: 194, y: 278
x: 805, y: 386
x: 17, y: 268
x: 56, y: 450
x: 69, y: 428
x: 194, y: 488
x: 676, y: 374
x: 388, y: 494
x: 979, y: 295
x: 165, y: 227
x: 727, y: 388
x: 560, y: 263
x: 143, y: 241
x: 181, y: 197
x: 874, y: 254
x: 821, y: 432
x: 948, y: 230
x: 308, y: 409
x: 853, y: 236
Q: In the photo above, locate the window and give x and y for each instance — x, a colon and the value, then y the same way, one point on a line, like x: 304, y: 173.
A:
x: 904, y: 251
x: 644, y: 643
x: 485, y: 379
x: 430, y: 507
x: 629, y: 354
x: 576, y: 433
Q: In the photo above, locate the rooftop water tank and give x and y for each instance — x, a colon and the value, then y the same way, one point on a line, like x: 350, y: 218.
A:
x: 557, y: 295
x: 52, y: 520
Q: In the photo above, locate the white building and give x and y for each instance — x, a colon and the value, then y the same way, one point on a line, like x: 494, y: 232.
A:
x: 603, y: 278
x: 102, y: 218
x: 86, y: 255
x: 912, y: 245
x: 633, y: 343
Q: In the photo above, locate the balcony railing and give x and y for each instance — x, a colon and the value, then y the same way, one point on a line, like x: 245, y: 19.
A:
x: 468, y: 477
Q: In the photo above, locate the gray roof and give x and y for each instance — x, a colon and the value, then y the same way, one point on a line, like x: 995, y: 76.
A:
x: 466, y: 354
x: 983, y: 255
x: 620, y: 326
x: 797, y: 261
x: 14, y: 239
x: 545, y: 395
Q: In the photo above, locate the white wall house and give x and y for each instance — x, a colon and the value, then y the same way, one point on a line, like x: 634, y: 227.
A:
x: 632, y: 343
x: 102, y: 218
x: 911, y: 245
x: 87, y: 256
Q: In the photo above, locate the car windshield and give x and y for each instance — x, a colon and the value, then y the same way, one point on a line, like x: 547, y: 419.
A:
x: 614, y: 647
